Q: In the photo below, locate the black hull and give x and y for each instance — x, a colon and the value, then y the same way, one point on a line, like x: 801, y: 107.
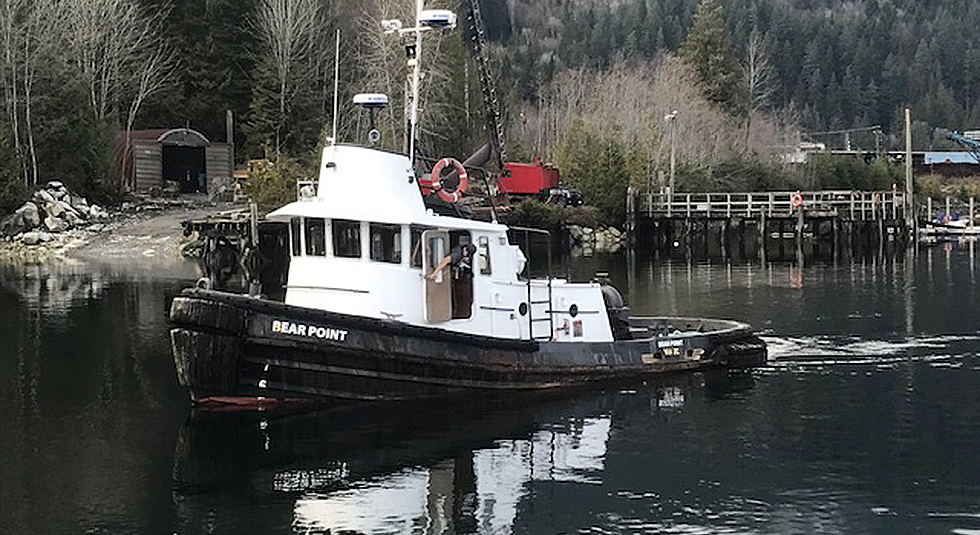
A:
x: 228, y: 346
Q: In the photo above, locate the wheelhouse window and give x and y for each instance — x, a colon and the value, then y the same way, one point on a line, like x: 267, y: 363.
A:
x: 295, y: 237
x: 346, y: 238
x: 316, y: 237
x: 386, y: 243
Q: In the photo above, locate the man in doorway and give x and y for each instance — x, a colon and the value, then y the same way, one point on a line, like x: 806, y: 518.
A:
x: 461, y: 259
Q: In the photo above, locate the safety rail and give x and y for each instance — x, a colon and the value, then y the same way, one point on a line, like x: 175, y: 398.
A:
x: 533, y: 300
x: 848, y: 204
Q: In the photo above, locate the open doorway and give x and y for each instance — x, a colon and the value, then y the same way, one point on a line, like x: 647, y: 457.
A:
x: 185, y: 165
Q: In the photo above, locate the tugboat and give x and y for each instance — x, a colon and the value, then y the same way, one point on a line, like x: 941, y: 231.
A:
x: 390, y: 299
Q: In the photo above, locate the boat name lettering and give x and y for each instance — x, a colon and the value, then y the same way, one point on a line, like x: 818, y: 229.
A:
x: 312, y: 331
x: 670, y: 343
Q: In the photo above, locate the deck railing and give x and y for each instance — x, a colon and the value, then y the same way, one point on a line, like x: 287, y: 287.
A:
x: 847, y: 204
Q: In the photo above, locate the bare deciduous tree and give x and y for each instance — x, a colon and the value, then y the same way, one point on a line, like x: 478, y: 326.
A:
x: 25, y: 37
x: 759, y: 78
x: 629, y: 101
x: 113, y: 46
x: 292, y: 39
x: 110, y: 42
x: 381, y: 60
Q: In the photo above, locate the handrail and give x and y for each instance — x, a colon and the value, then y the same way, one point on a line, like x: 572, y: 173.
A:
x: 530, y: 302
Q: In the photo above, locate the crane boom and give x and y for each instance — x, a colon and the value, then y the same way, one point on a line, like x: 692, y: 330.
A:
x: 970, y: 144
x: 477, y: 40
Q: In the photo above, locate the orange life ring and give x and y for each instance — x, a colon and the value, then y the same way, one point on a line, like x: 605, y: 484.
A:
x: 796, y: 200
x: 449, y: 196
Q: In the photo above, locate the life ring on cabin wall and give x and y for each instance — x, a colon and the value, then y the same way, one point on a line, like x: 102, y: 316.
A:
x: 449, y: 196
x: 796, y: 200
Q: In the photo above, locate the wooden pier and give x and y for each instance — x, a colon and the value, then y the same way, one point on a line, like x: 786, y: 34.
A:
x: 783, y: 222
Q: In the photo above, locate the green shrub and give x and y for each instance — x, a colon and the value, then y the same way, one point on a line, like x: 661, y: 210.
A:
x: 828, y: 171
x: 273, y: 184
x: 929, y: 185
x: 536, y: 214
x: 595, y: 163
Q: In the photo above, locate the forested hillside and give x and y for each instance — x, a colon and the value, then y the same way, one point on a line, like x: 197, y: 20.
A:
x: 584, y: 82
x: 839, y: 64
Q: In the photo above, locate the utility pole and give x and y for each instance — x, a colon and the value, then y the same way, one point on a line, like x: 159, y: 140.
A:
x: 909, y: 204
x: 671, y: 118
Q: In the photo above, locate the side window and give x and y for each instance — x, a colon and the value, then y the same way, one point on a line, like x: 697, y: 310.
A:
x: 295, y: 237
x: 315, y: 237
x: 483, y: 254
x: 438, y: 248
x: 346, y: 238
x: 417, y: 245
x: 386, y: 243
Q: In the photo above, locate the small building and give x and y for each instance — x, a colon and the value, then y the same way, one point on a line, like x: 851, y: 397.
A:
x: 180, y: 159
x: 951, y: 164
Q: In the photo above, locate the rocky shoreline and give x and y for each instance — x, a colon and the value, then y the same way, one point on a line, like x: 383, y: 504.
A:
x: 55, y: 225
x: 50, y: 211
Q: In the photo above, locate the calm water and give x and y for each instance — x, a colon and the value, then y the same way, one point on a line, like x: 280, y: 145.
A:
x: 868, y: 421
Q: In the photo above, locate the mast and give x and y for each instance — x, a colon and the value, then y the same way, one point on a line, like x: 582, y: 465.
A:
x: 425, y: 19
x: 414, y: 62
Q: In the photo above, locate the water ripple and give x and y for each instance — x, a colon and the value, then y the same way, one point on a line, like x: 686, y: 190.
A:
x: 817, y: 352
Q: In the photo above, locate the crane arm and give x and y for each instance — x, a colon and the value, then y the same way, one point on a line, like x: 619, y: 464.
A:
x: 969, y: 144
x: 477, y: 39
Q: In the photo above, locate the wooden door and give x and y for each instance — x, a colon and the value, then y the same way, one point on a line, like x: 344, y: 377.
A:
x: 438, y: 290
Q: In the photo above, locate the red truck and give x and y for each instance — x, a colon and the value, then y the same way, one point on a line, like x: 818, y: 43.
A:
x: 538, y: 180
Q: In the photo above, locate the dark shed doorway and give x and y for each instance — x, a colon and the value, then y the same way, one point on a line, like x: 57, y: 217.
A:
x: 185, y: 165
x: 183, y: 160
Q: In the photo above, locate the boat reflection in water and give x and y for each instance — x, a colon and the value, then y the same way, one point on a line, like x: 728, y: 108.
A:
x: 456, y: 466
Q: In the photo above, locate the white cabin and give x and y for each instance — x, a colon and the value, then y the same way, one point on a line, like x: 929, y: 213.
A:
x: 364, y: 243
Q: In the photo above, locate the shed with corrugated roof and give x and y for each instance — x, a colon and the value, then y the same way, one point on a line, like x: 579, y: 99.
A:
x: 178, y: 158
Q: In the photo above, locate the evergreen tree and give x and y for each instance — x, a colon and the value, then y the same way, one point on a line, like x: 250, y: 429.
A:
x: 707, y: 48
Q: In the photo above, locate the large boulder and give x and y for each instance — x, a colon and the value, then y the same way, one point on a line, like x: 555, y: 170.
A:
x: 82, y: 211
x: 43, y: 197
x: 31, y: 238
x: 31, y: 215
x: 72, y: 219
x: 53, y: 224
x: 68, y: 208
x: 12, y: 224
x: 80, y: 204
x: 96, y: 212
x: 59, y: 194
x: 55, y: 208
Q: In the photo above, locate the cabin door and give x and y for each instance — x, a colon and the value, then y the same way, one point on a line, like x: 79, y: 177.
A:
x: 438, y: 290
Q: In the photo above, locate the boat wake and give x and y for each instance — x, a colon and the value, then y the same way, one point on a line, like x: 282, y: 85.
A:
x: 939, y: 351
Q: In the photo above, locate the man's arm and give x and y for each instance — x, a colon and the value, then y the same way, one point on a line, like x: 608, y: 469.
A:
x: 442, y: 265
